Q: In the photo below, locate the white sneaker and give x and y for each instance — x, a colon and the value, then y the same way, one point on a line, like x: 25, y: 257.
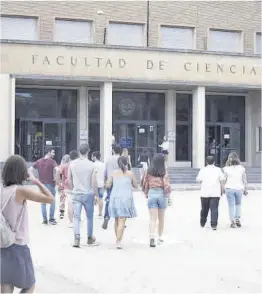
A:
x: 160, y: 241
x: 70, y: 225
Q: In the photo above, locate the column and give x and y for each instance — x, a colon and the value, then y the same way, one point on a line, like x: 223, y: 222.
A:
x: 83, y: 116
x: 106, y: 120
x: 170, y: 125
x: 7, y: 115
x: 199, y: 124
x: 248, y: 130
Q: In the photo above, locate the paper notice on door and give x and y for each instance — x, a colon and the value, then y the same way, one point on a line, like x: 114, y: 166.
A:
x: 48, y: 143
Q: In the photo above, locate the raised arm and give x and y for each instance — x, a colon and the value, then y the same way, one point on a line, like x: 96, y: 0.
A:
x: 42, y: 196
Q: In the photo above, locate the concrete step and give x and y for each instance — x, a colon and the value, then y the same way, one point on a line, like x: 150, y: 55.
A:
x: 188, y: 175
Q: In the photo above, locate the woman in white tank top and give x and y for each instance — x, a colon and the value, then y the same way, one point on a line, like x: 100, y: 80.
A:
x: 235, y: 188
x: 16, y: 262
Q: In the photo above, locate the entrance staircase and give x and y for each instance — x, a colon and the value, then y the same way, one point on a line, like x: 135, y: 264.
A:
x: 186, y: 175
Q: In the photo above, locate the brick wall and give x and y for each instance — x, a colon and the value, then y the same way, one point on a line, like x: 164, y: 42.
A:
x: 234, y: 15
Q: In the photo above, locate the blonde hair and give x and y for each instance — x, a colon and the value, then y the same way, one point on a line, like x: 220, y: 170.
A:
x: 124, y: 152
x: 233, y: 159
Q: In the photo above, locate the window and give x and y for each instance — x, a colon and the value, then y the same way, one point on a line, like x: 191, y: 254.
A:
x: 73, y: 31
x: 258, y: 43
x: 259, y: 139
x: 225, y: 41
x: 176, y: 37
x: 18, y: 28
x: 125, y: 34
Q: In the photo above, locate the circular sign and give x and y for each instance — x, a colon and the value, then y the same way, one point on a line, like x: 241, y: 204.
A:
x: 127, y: 106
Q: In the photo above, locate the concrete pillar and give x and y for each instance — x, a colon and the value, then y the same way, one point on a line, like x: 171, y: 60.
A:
x: 248, y: 130
x: 106, y: 120
x: 83, y: 116
x: 199, y: 126
x: 170, y: 125
x: 7, y: 115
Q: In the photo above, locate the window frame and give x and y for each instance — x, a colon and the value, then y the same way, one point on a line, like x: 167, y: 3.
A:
x: 194, y: 41
x: 31, y: 16
x: 259, y: 139
x: 142, y: 24
x: 255, y: 42
x: 75, y: 19
x: 208, y: 41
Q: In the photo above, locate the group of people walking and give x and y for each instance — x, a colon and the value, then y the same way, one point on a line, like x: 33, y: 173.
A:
x: 82, y: 183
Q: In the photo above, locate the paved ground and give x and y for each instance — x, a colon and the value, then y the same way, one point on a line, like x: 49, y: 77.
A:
x: 192, y: 260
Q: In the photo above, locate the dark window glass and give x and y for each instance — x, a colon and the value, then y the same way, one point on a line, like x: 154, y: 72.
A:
x: 259, y: 139
x: 68, y: 102
x: 183, y: 107
x: 138, y: 106
x: 36, y: 103
x: 221, y: 108
x: 44, y: 118
x: 45, y: 103
x: 183, y: 142
x: 94, y: 105
x: 71, y: 136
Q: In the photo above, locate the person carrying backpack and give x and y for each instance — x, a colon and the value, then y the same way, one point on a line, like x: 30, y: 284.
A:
x: 16, y: 263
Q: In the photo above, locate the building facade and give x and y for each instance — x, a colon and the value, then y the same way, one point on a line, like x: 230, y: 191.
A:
x: 74, y: 72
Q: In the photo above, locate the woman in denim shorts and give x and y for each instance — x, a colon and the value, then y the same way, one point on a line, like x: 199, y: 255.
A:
x: 157, y: 189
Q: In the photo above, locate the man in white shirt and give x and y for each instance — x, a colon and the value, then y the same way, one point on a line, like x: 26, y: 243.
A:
x: 100, y: 178
x: 212, y: 188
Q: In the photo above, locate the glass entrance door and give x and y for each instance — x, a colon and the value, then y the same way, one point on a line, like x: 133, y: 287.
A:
x: 125, y: 135
x: 137, y: 138
x: 222, y: 139
x: 35, y: 136
x: 146, y: 140
x: 54, y: 134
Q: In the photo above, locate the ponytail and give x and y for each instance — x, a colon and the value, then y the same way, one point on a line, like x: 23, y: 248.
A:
x: 122, y: 163
x: 122, y: 167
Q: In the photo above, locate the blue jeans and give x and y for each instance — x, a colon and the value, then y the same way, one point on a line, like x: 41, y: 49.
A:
x: 108, y: 190
x: 101, y: 193
x: 51, y: 188
x: 88, y: 201
x: 234, y: 198
x: 156, y: 198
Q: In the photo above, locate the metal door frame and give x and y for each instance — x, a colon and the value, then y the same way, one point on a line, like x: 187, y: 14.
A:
x: 137, y: 123
x: 222, y: 126
x: 61, y: 122
x: 154, y: 134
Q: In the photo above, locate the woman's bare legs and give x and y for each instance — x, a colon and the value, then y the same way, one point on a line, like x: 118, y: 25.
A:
x: 69, y: 207
x: 5, y: 288
x: 116, y: 226
x: 152, y: 224
x: 161, y: 222
x: 100, y: 206
x: 120, y: 231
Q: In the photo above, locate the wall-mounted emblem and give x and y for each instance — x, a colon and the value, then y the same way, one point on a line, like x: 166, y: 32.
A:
x: 127, y: 106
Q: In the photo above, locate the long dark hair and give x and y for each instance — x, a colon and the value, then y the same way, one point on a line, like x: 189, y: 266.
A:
x: 14, y: 171
x: 157, y: 167
x: 123, y: 163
